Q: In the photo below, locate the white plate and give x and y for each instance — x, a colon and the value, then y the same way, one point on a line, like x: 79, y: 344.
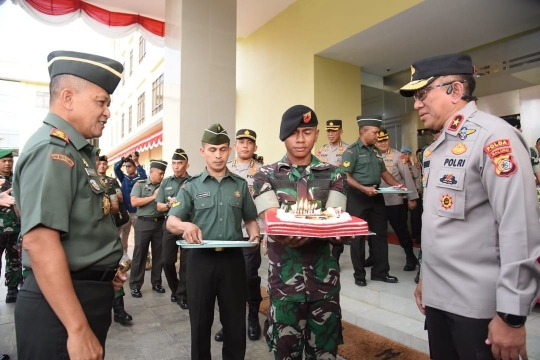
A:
x: 210, y: 244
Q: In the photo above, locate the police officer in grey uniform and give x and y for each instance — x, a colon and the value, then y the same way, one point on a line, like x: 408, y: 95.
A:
x: 395, y: 209
x: 481, y: 234
x: 364, y: 166
x: 245, y: 166
x: 166, y: 197
x: 332, y: 153
x: 148, y: 229
x: 71, y: 244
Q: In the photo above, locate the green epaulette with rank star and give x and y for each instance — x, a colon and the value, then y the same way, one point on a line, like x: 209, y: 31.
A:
x: 141, y: 181
x: 58, y: 137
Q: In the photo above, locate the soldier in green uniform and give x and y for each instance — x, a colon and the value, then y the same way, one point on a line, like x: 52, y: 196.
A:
x: 10, y: 227
x: 365, y: 168
x: 114, y: 191
x: 216, y: 201
x: 166, y: 196
x: 246, y: 166
x: 303, y: 277
x: 148, y: 229
x: 71, y: 243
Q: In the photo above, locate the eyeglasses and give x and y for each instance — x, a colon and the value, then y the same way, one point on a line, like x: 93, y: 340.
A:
x: 422, y: 93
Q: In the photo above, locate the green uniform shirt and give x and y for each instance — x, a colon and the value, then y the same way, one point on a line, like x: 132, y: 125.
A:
x: 364, y: 163
x: 142, y: 189
x: 56, y: 185
x: 9, y: 222
x: 169, y: 188
x: 216, y: 207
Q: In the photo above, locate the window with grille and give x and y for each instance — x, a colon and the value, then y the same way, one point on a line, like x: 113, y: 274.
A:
x: 130, y: 120
x: 142, y: 48
x: 140, y: 110
x: 157, y: 95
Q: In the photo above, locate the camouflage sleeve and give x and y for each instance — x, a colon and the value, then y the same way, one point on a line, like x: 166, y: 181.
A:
x: 338, y: 190
x: 263, y: 193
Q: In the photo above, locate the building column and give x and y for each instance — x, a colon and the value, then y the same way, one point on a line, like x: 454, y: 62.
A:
x: 200, y: 74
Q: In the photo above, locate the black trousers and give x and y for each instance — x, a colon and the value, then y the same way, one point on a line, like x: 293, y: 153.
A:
x: 222, y: 275
x: 252, y: 258
x: 169, y: 252
x: 455, y: 337
x: 416, y: 221
x: 372, y: 210
x: 147, y: 233
x: 399, y: 224
x: 39, y: 332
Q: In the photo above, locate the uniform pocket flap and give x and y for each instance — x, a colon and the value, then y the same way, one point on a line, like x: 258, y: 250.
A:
x: 451, y: 179
x: 203, y: 203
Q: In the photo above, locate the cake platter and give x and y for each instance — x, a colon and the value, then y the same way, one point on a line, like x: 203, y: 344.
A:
x: 392, y: 190
x: 210, y: 244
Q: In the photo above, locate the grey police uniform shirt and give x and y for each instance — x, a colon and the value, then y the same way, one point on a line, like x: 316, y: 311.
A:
x: 247, y: 171
x: 332, y: 154
x: 480, y: 225
x: 142, y: 189
x: 401, y: 173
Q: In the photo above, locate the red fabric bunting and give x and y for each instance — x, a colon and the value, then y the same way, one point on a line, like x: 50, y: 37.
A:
x: 109, y: 18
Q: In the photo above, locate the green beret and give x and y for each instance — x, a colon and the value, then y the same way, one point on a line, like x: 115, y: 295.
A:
x: 6, y: 153
x: 179, y: 154
x: 215, y: 135
x: 247, y: 134
x: 425, y: 71
x: 104, y: 72
x: 158, y: 164
x: 296, y: 117
x: 369, y: 121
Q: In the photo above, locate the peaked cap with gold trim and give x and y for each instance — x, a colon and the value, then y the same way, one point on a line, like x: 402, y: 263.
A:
x: 215, y: 135
x: 383, y: 135
x: 246, y: 133
x: 334, y: 125
x: 179, y: 154
x: 104, y: 72
x: 425, y: 71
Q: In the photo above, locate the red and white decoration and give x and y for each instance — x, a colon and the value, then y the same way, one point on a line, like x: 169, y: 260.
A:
x: 150, y: 142
x: 107, y: 23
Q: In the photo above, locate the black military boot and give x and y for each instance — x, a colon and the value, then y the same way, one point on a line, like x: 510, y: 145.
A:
x: 254, y: 328
x: 412, y: 261
x: 12, y: 293
x: 120, y: 315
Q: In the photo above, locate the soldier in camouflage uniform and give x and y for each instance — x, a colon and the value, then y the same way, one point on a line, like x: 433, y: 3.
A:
x: 114, y: 191
x: 10, y: 227
x: 303, y: 277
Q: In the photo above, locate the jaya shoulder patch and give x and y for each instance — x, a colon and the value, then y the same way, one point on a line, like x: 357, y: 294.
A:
x: 63, y: 158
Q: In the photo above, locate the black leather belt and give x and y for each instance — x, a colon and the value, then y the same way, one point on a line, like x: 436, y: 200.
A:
x: 105, y: 275
x: 153, y: 219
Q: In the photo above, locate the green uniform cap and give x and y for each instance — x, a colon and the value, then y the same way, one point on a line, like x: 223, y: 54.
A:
x: 158, y: 164
x: 5, y: 153
x: 369, y: 121
x: 179, y: 154
x: 247, y: 134
x: 104, y: 72
x: 215, y: 135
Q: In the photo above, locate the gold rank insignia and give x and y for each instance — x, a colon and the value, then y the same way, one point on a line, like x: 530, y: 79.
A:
x: 237, y: 194
x: 246, y: 132
x: 427, y: 153
x: 59, y: 134
x: 85, y: 162
x: 252, y: 171
x: 106, y: 205
x: 459, y: 149
x: 175, y: 204
x: 346, y: 163
x: 331, y: 124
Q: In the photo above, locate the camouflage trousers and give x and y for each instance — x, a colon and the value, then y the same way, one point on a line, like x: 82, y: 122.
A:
x: 10, y: 244
x: 314, y: 327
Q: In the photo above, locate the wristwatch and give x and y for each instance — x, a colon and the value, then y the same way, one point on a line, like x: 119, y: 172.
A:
x: 515, y: 321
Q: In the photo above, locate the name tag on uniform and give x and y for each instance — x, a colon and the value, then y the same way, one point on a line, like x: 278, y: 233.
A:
x: 168, y: 188
x: 90, y: 172
x: 202, y: 195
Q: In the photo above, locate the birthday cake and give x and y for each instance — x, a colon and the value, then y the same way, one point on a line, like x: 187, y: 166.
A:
x: 305, y: 220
